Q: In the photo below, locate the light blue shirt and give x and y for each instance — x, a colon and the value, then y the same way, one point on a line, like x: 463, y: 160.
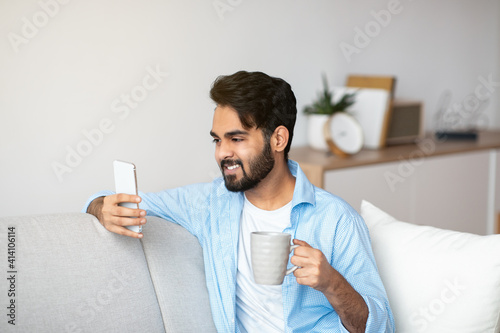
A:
x: 212, y: 213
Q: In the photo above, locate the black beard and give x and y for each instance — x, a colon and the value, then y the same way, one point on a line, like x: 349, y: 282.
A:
x: 260, y: 167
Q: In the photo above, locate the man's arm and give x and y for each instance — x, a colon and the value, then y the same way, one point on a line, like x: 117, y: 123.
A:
x: 317, y: 273
x: 114, y: 217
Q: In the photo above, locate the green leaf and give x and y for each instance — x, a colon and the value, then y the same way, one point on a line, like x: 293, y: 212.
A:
x: 324, y: 103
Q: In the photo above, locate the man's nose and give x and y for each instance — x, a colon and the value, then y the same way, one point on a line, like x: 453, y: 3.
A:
x: 224, y: 150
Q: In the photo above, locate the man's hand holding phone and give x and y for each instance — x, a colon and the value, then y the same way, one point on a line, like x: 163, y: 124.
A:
x: 120, y: 213
x: 116, y: 218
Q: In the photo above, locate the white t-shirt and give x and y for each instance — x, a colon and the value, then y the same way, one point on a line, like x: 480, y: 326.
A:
x: 259, y: 308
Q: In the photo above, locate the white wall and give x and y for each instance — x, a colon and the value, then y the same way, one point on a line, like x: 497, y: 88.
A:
x: 66, y: 67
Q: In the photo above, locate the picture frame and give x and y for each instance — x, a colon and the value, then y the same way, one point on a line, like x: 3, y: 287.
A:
x: 374, y: 120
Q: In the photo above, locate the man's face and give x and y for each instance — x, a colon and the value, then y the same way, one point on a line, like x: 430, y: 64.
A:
x: 243, y: 156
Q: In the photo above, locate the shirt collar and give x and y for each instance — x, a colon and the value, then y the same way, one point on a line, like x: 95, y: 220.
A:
x: 304, y: 190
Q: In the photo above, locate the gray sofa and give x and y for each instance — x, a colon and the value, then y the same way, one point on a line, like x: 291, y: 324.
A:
x: 69, y: 274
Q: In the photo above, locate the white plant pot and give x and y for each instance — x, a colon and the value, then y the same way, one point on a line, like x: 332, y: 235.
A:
x: 315, y: 131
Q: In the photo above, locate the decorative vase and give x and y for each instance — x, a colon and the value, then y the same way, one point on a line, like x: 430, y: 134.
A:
x: 315, y: 131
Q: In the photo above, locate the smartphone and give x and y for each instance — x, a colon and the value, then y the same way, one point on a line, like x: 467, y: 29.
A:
x: 126, y: 182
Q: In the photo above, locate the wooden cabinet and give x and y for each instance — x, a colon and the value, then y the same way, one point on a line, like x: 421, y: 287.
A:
x: 452, y: 192
x: 370, y: 183
x: 453, y: 185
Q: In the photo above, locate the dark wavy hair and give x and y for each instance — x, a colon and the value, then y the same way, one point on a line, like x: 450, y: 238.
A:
x: 260, y: 100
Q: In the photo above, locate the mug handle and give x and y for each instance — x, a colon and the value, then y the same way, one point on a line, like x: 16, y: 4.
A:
x: 291, y: 270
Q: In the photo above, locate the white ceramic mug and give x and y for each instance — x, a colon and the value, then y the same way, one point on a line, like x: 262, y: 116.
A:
x: 270, y: 252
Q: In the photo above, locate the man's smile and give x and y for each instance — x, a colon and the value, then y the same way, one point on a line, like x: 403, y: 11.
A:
x: 230, y: 167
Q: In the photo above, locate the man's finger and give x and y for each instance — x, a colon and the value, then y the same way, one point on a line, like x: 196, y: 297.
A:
x: 128, y: 212
x: 122, y: 197
x: 299, y: 261
x: 125, y: 232
x: 301, y: 243
x: 128, y: 221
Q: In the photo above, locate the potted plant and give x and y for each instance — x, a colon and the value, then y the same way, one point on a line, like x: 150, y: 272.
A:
x: 319, y: 112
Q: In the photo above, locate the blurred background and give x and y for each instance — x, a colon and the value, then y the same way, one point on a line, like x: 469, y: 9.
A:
x: 85, y: 82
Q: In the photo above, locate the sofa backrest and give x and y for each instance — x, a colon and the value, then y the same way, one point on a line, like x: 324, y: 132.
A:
x: 175, y: 260
x: 69, y: 274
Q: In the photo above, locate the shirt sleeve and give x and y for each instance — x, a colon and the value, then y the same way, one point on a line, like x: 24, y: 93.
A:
x: 185, y: 206
x: 353, y: 258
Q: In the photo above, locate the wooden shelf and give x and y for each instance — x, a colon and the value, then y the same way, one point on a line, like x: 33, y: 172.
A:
x: 316, y: 163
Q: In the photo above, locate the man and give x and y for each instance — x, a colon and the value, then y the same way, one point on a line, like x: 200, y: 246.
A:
x: 337, y: 287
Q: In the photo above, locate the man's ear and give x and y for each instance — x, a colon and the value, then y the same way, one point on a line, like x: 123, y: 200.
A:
x: 280, y: 138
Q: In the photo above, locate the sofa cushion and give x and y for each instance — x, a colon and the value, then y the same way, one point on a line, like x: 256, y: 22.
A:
x: 175, y: 260
x: 72, y: 275
x: 436, y: 280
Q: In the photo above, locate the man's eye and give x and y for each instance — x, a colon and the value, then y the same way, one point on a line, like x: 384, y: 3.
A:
x: 237, y: 139
x: 216, y: 140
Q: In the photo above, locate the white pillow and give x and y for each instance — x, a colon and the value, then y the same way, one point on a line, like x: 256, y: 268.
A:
x: 436, y: 280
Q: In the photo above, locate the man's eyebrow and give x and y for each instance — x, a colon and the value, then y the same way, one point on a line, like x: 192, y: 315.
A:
x: 230, y: 134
